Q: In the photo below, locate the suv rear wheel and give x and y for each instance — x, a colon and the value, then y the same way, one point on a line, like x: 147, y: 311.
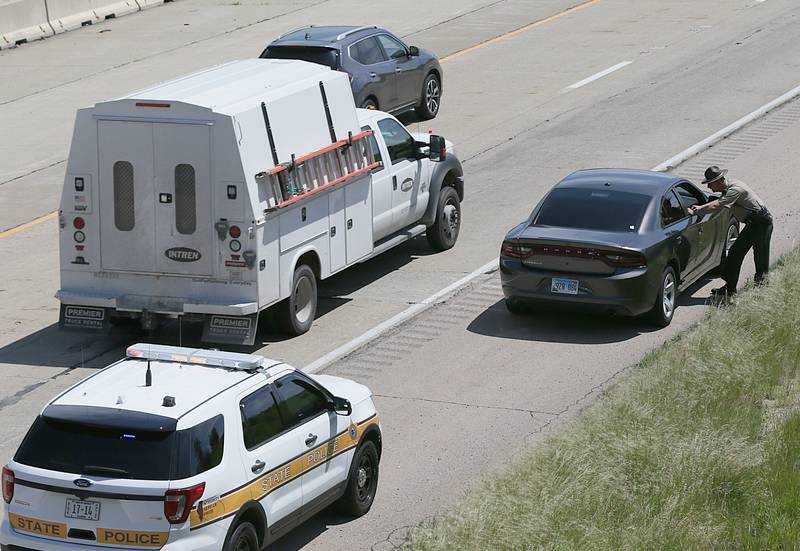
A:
x: 431, y: 97
x: 244, y: 538
x: 362, y: 483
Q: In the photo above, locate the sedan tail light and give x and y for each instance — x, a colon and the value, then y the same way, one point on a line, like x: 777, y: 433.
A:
x: 8, y: 484
x: 614, y: 258
x: 515, y: 250
x: 178, y: 503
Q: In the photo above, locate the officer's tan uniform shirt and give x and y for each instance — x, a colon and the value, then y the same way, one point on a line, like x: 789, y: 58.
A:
x: 741, y: 199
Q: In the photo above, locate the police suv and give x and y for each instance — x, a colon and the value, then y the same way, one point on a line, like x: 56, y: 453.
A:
x: 183, y: 449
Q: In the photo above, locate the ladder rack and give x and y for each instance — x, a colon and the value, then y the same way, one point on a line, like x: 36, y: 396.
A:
x: 322, y: 169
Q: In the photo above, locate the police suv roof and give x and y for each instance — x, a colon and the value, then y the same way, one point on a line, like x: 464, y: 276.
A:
x: 646, y: 182
x: 190, y: 383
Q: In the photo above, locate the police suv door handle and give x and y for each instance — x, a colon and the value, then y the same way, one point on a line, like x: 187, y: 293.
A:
x: 258, y: 466
x: 311, y: 439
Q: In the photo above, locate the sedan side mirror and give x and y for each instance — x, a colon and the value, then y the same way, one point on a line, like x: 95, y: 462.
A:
x: 341, y: 406
x: 438, y: 150
x: 413, y: 51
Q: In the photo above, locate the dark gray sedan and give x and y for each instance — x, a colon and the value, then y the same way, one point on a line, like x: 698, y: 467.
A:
x: 385, y: 73
x: 615, y: 240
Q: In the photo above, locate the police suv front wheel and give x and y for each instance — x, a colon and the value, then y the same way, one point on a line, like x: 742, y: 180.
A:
x: 362, y: 483
x: 244, y: 538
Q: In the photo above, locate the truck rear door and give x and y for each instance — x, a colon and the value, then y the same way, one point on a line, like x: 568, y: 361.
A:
x: 155, y: 197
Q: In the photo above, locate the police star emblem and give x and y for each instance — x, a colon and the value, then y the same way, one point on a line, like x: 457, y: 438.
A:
x: 353, y: 431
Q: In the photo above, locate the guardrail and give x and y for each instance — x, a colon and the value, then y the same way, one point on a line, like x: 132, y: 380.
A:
x: 22, y: 21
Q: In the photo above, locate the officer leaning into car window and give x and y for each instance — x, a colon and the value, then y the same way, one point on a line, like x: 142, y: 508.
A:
x: 748, y: 208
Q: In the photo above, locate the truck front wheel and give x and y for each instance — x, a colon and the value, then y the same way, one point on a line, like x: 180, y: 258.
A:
x: 443, y: 233
x: 297, y: 313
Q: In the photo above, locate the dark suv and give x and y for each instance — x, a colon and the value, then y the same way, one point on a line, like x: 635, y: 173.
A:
x: 384, y: 73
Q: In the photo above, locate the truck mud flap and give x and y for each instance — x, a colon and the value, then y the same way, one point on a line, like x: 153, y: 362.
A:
x: 230, y: 329
x: 84, y: 318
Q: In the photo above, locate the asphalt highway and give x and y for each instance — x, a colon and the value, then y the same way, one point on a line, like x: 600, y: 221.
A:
x: 532, y: 91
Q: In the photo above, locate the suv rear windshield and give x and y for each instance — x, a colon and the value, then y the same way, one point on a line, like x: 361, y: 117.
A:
x: 593, y: 209
x: 321, y: 56
x: 122, y: 453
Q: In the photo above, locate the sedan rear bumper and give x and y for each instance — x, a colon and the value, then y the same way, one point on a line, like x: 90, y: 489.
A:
x: 627, y: 291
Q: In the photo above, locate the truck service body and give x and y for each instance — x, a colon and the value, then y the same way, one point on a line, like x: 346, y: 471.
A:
x: 203, y: 197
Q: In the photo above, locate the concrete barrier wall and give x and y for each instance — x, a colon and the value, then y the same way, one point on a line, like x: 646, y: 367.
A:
x: 66, y: 15
x: 25, y: 20
x: 22, y: 21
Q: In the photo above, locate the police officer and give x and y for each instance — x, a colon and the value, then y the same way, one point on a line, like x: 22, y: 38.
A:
x: 748, y: 208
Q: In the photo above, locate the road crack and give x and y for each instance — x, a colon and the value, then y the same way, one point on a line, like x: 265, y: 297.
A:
x: 531, y: 412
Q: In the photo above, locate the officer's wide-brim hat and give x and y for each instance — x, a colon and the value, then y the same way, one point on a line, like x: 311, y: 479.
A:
x: 714, y: 173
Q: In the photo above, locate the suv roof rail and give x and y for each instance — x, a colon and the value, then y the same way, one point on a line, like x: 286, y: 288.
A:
x: 200, y: 356
x: 295, y: 30
x: 353, y: 31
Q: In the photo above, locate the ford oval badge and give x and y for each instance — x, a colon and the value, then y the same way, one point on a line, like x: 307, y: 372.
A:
x: 82, y: 482
x: 182, y: 254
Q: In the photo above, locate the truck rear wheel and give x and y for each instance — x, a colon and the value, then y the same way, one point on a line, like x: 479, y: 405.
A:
x: 443, y: 233
x: 297, y: 313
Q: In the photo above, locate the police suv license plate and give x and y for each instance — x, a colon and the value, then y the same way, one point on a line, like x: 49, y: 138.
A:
x: 564, y: 286
x: 85, y: 510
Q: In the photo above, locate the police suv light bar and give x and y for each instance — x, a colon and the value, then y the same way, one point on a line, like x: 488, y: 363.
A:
x: 215, y: 358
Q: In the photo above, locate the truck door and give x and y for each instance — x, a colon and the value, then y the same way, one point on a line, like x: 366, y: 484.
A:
x: 184, y: 232
x: 127, y: 220
x: 408, y: 185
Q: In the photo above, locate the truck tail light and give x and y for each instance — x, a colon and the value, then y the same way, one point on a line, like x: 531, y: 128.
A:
x: 79, y: 223
x: 8, y: 484
x: 178, y: 503
x: 235, y: 232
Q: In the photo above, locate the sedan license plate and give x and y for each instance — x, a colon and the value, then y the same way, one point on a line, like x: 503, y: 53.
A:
x: 85, y: 510
x: 564, y: 286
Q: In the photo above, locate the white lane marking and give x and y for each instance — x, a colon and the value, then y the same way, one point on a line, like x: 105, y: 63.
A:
x: 597, y: 76
x: 493, y: 264
x: 728, y: 130
x: 396, y: 320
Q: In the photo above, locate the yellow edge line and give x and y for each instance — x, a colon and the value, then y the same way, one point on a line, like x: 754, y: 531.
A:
x: 27, y: 225
x: 455, y: 55
x: 521, y: 30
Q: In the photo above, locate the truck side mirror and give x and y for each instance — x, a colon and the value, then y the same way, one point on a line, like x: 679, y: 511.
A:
x: 438, y: 150
x: 413, y: 51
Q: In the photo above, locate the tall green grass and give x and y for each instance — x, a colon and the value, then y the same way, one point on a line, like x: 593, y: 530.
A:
x: 697, y: 448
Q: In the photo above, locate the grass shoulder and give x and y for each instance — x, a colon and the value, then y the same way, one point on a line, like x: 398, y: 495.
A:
x: 697, y: 448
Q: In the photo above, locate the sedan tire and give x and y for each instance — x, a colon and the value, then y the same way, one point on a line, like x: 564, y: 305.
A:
x: 666, y: 299
x: 431, y: 98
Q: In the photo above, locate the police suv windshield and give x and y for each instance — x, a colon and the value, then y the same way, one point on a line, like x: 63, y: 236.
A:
x: 118, y: 452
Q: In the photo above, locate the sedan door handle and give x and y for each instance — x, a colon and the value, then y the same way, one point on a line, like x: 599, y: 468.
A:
x: 311, y: 439
x: 258, y: 466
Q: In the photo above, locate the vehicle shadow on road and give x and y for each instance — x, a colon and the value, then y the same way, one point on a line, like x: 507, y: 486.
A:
x: 560, y: 326
x: 309, y: 531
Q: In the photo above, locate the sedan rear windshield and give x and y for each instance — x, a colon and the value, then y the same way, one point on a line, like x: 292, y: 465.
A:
x: 122, y: 453
x: 321, y: 56
x: 593, y: 209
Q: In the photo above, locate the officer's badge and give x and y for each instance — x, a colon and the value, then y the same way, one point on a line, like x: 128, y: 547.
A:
x: 353, y: 431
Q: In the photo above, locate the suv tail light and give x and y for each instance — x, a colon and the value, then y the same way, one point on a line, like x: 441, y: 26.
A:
x: 8, y: 484
x: 178, y: 503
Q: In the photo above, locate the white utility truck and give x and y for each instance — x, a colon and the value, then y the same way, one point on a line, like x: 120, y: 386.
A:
x: 217, y: 195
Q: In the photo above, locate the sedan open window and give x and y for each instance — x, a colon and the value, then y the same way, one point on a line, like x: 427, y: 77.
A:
x: 689, y: 195
x: 671, y: 209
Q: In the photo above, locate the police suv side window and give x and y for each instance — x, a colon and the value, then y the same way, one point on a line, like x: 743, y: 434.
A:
x: 398, y: 141
x: 300, y: 400
x: 671, y: 209
x: 376, y: 152
x: 200, y: 447
x: 261, y: 420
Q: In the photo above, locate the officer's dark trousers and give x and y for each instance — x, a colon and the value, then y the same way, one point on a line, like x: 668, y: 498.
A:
x: 756, y: 234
